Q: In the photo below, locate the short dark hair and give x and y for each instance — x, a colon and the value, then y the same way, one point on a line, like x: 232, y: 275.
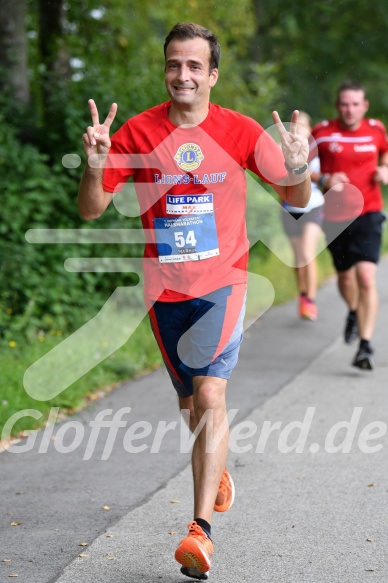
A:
x: 349, y: 86
x: 190, y: 30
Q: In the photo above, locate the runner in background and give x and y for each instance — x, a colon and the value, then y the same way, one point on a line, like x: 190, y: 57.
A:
x: 353, y: 151
x: 303, y: 227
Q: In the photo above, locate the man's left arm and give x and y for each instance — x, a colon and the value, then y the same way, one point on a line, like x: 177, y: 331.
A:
x: 381, y: 174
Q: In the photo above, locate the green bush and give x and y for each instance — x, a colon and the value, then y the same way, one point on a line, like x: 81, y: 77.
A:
x: 36, y: 292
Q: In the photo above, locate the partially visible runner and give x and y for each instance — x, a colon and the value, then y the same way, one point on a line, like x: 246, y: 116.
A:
x: 353, y: 151
x: 303, y: 227
x: 187, y: 158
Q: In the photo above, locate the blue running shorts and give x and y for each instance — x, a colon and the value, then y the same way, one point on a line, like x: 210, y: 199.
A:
x: 201, y: 336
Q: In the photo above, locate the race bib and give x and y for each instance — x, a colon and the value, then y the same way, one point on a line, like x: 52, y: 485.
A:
x: 186, y: 238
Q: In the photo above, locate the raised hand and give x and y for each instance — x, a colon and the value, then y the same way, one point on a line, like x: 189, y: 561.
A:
x: 295, y: 145
x: 96, y: 139
x: 381, y: 174
x: 336, y: 181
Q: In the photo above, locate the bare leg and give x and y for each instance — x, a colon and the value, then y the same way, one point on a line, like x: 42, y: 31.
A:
x: 348, y: 287
x: 300, y: 270
x: 208, y: 465
x: 311, y: 233
x: 304, y: 248
x: 187, y: 403
x: 368, y: 298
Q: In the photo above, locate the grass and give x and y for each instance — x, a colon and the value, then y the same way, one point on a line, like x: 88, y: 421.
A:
x: 137, y: 356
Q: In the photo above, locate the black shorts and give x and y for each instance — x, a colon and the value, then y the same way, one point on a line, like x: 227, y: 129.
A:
x: 359, y: 241
x: 293, y: 223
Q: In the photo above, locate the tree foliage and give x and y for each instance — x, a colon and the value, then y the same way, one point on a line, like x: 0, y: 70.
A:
x: 320, y: 44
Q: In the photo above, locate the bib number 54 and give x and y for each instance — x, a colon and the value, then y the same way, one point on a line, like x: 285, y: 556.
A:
x: 181, y: 242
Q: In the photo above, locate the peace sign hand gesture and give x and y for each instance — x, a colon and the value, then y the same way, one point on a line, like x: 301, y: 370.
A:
x: 96, y: 139
x: 295, y: 146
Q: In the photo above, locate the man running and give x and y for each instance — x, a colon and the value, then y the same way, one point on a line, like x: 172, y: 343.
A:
x: 187, y: 158
x: 353, y: 151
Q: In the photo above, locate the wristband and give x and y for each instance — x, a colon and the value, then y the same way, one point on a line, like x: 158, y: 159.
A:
x: 297, y: 171
x: 321, y: 181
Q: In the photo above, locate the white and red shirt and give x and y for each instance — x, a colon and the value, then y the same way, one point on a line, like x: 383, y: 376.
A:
x: 191, y: 187
x: 356, y: 153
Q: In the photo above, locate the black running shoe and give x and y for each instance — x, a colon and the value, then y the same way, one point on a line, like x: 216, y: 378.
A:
x: 364, y: 359
x: 351, y: 328
x: 194, y: 573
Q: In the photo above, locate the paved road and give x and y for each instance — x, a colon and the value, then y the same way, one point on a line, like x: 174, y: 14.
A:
x: 309, y: 515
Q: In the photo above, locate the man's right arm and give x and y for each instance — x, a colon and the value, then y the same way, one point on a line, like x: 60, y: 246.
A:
x: 92, y: 198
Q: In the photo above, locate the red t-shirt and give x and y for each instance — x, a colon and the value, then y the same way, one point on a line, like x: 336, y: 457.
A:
x: 191, y: 187
x: 357, y: 154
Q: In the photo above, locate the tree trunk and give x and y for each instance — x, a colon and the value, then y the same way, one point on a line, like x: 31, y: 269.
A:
x: 53, y: 51
x: 56, y: 68
x: 13, y: 52
x: 266, y: 18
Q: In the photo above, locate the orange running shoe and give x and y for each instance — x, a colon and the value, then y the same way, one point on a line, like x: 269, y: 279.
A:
x: 301, y: 303
x: 194, y: 553
x: 225, y: 496
x: 309, y: 310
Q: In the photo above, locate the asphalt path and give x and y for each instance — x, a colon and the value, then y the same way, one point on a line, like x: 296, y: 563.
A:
x: 312, y: 492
